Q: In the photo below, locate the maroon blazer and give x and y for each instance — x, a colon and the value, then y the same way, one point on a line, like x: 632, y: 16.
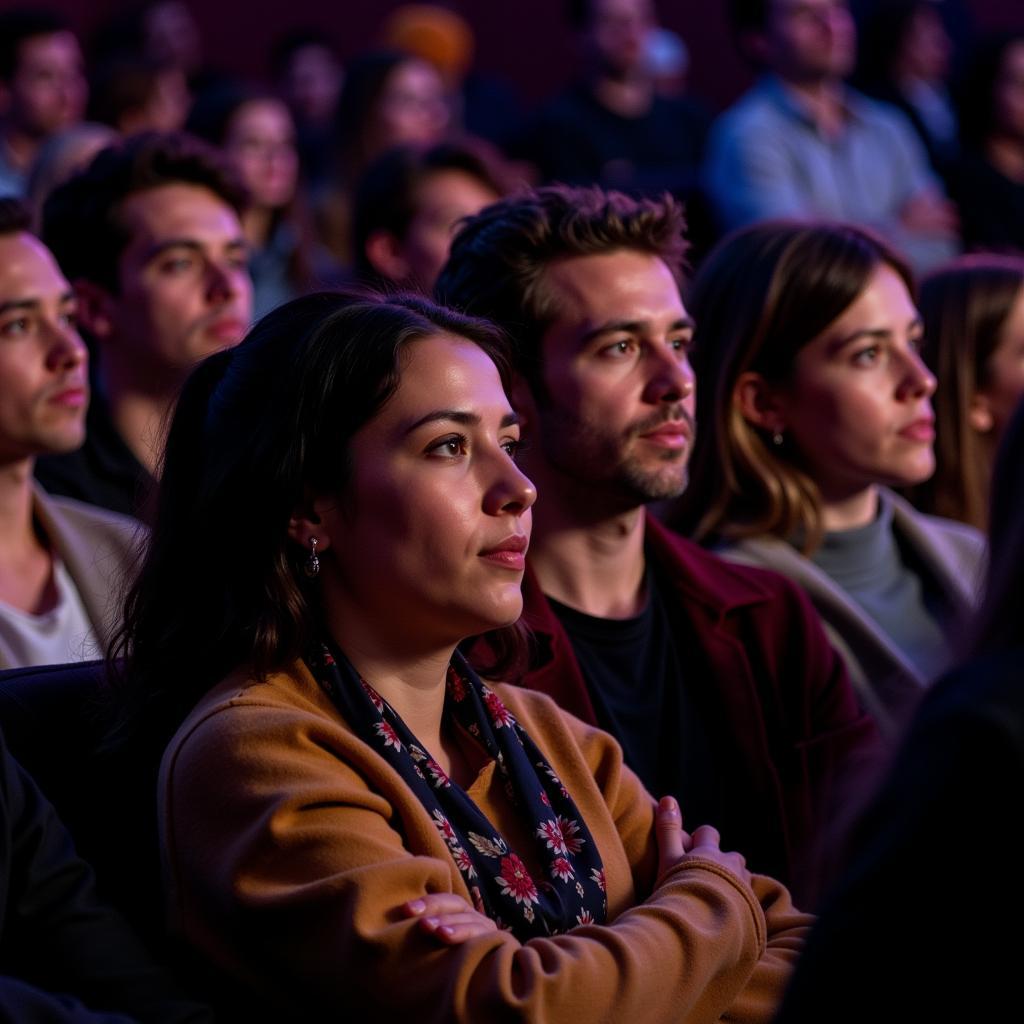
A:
x: 800, y: 749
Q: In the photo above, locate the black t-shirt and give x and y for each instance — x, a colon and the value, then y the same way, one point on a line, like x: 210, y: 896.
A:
x: 634, y: 673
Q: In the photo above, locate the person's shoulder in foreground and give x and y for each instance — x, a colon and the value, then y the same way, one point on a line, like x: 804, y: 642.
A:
x: 885, y: 936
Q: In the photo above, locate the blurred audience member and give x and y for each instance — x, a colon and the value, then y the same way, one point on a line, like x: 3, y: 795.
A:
x: 483, y: 104
x: 973, y: 313
x: 409, y: 204
x: 163, y: 33
x: 960, y: 773
x: 256, y: 133
x: 308, y: 74
x: 136, y: 94
x: 803, y: 144
x: 60, y: 561
x: 988, y: 184
x: 814, y: 401
x: 150, y: 237
x: 170, y: 35
x: 613, y: 127
x: 63, y: 155
x: 42, y: 89
x: 904, y: 60
x: 389, y: 99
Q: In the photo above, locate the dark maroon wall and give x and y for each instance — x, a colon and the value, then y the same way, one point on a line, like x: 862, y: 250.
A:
x: 526, y: 41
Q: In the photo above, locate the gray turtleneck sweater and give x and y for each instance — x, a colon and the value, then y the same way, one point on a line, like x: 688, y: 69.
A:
x: 868, y: 563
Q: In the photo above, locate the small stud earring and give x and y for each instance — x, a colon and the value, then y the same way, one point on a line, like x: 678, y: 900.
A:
x: 777, y: 439
x: 312, y: 564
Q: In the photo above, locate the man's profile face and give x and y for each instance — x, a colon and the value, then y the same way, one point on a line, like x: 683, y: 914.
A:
x: 185, y: 290
x: 48, y: 88
x: 618, y: 407
x: 43, y: 363
x: 811, y: 40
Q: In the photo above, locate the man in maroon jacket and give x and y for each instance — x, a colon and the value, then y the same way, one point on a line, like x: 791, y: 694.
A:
x: 717, y: 679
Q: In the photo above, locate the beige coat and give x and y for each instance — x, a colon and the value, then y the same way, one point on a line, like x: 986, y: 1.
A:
x: 290, y: 844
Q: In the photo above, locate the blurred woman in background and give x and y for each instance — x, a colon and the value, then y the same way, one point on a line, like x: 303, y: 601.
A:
x: 389, y: 99
x: 973, y: 313
x: 988, y: 182
x: 904, y: 54
x: 256, y: 133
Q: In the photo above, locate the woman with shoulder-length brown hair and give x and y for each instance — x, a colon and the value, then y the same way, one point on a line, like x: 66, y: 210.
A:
x: 813, y: 402
x: 354, y: 825
x: 973, y: 313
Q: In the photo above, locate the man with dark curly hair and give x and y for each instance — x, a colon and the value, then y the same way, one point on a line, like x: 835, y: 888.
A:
x: 150, y: 238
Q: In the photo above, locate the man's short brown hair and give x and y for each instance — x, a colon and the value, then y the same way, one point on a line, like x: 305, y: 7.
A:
x: 498, y: 258
x: 82, y: 223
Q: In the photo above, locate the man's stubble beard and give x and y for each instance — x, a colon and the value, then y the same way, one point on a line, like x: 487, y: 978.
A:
x: 588, y: 456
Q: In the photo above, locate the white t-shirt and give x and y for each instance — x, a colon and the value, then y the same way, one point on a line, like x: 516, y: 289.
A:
x: 56, y: 637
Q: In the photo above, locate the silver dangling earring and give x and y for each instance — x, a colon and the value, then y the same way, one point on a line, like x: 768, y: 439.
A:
x: 311, y: 566
x: 777, y: 439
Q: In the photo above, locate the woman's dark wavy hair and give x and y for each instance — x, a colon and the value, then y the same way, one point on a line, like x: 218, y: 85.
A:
x: 258, y: 430
x: 760, y: 296
x: 1002, y: 610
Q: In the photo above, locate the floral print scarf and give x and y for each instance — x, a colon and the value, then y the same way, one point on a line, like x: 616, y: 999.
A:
x: 573, y: 889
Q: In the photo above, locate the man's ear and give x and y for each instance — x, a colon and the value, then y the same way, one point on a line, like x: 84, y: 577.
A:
x: 384, y: 254
x: 520, y: 394
x: 979, y: 413
x: 759, y: 403
x: 95, y: 308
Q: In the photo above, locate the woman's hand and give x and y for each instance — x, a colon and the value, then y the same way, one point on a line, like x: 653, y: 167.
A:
x: 449, y: 918
x: 675, y: 845
x: 668, y: 829
x: 705, y: 843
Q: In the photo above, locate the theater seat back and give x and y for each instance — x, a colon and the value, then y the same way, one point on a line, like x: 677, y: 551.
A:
x: 55, y: 720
